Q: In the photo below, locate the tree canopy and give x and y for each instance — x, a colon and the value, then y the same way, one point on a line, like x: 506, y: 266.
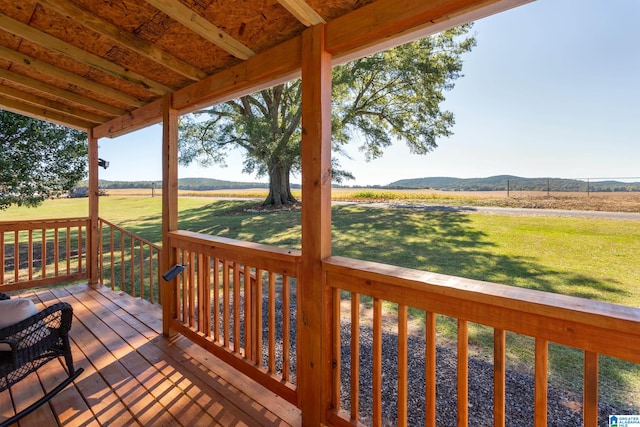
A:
x: 392, y: 95
x: 38, y: 160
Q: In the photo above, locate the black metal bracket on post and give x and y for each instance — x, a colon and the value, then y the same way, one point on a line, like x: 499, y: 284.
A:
x: 171, y: 274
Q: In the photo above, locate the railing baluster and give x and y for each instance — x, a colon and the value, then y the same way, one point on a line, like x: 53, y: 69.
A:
x: 463, y: 373
x: 590, y: 399
x: 248, y: 314
x: 122, y: 258
x: 132, y: 264
x: 430, y: 368
x: 236, y: 307
x: 100, y: 255
x: 44, y: 253
x: 258, y: 317
x: 184, y: 279
x: 16, y: 256
x: 30, y: 254
x: 499, y: 377
x: 150, y: 274
x: 56, y: 251
x: 541, y: 382
x: 112, y: 260
x: 355, y: 356
x: 80, y: 236
x: 225, y: 302
x: 402, y: 365
x: 2, y: 258
x: 377, y: 362
x: 192, y: 288
x: 336, y: 349
x: 141, y: 271
x: 68, y: 249
x: 203, y: 288
x: 272, y: 322
x: 286, y: 333
x: 216, y: 299
x: 206, y: 295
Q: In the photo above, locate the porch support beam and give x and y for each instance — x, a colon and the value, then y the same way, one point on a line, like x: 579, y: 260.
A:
x: 93, y: 240
x: 314, y: 329
x: 169, y: 208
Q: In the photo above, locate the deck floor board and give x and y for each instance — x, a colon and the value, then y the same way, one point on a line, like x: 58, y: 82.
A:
x: 136, y: 376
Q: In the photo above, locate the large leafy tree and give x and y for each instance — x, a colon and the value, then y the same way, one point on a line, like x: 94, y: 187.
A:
x: 392, y: 95
x: 38, y: 160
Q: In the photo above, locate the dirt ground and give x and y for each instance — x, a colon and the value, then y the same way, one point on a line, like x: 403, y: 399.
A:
x: 610, y: 202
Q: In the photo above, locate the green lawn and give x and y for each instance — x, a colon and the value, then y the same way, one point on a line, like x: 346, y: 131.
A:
x: 582, y: 257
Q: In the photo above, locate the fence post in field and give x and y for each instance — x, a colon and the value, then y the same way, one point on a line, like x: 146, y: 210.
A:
x: 548, y: 187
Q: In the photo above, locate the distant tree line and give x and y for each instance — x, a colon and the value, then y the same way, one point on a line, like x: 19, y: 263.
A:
x: 190, y: 184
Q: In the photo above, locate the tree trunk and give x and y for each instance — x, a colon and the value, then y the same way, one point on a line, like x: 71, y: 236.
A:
x: 279, y: 187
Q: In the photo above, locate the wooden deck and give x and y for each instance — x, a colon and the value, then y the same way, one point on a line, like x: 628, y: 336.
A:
x: 135, y: 376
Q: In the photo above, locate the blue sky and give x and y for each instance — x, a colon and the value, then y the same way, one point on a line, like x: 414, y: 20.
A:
x: 551, y: 90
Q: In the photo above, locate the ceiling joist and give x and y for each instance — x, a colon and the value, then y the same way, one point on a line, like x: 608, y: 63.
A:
x: 62, y: 94
x: 48, y: 104
x: 128, y: 40
x: 202, y: 27
x: 303, y: 12
x: 45, y: 40
x: 64, y: 75
x: 44, y: 114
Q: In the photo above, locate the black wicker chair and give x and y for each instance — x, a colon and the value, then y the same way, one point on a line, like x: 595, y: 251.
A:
x: 31, y: 343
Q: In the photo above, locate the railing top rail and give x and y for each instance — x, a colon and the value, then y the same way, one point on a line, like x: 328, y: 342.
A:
x: 233, y: 244
x: 582, y: 323
x: 273, y: 258
x: 128, y: 233
x: 36, y: 224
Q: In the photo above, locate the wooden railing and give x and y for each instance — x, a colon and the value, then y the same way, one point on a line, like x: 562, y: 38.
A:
x: 238, y: 300
x: 42, y: 252
x: 594, y: 327
x: 128, y: 262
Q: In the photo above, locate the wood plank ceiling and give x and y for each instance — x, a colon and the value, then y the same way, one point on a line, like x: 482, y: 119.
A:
x: 106, y: 64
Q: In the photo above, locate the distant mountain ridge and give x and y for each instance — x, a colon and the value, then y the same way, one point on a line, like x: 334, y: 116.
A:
x: 515, y: 183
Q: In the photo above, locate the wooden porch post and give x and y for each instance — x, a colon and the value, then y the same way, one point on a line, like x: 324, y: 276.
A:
x: 169, y: 207
x: 314, y: 339
x: 93, y: 239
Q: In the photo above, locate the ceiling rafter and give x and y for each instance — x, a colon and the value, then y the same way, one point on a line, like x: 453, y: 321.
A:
x: 303, y: 12
x: 60, y: 93
x: 44, y: 114
x: 94, y: 61
x: 128, y: 40
x: 48, y: 104
x: 74, y: 79
x: 202, y: 27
